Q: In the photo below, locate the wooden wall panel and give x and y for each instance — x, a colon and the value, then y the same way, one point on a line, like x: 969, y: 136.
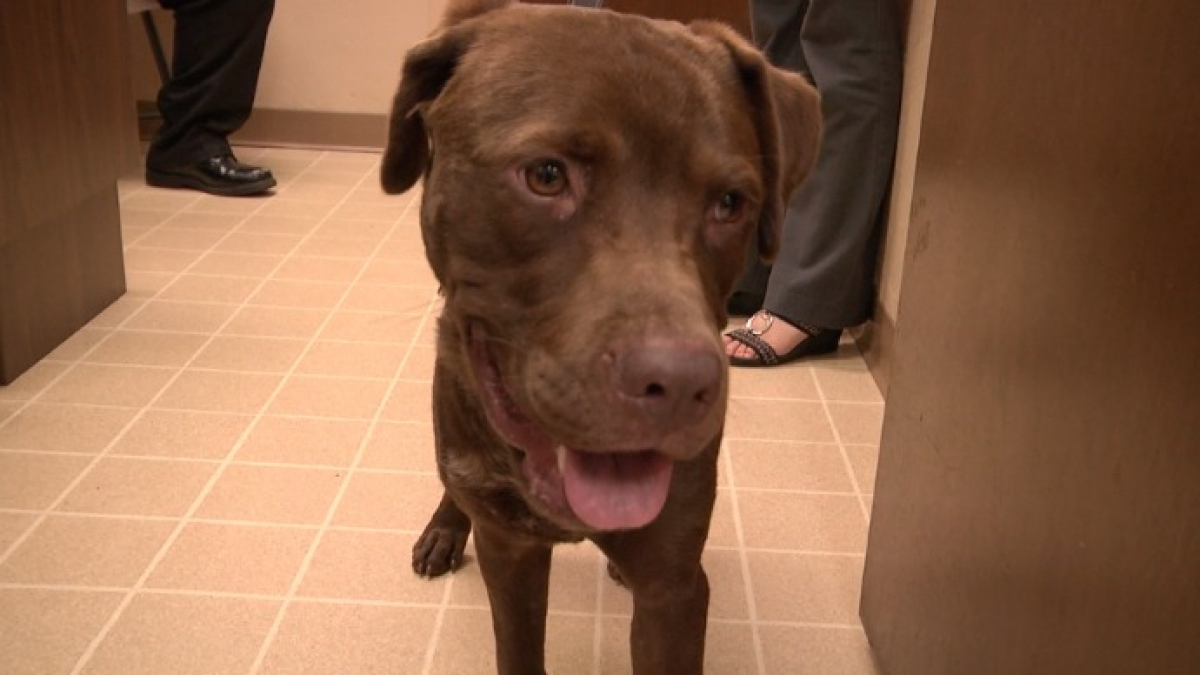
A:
x: 1036, y: 503
x: 65, y: 125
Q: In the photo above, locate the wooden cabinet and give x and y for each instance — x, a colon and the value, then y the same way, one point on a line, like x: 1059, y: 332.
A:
x: 65, y: 123
x: 1037, y: 506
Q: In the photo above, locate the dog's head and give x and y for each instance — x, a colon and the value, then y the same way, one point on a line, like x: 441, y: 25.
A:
x: 592, y: 181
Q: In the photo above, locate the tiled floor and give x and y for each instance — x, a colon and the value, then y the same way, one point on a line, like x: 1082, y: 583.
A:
x: 224, y: 472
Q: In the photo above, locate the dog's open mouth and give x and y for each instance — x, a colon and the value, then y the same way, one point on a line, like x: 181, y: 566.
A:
x: 605, y: 490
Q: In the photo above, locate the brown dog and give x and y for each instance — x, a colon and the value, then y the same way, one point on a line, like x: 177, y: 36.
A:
x: 592, y: 181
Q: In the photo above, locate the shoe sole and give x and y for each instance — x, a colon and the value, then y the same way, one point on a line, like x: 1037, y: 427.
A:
x: 169, y: 180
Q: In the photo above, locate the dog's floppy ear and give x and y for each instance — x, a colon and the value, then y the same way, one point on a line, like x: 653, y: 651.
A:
x: 427, y: 68
x: 788, y: 120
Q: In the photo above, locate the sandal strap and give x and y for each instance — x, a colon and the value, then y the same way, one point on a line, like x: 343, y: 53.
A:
x: 766, y: 353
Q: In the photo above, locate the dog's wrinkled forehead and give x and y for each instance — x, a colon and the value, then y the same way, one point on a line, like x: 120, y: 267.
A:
x: 569, y: 67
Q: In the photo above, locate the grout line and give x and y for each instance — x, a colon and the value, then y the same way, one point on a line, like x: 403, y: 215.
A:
x: 35, y: 399
x: 846, y: 463
x: 204, y: 492
x: 743, y: 559
x: 344, y: 487
x: 439, y: 621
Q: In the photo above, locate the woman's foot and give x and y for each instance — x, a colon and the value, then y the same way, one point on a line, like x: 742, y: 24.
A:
x: 768, y: 340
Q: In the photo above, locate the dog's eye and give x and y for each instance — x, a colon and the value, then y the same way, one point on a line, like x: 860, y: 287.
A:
x: 729, y: 207
x: 547, y: 178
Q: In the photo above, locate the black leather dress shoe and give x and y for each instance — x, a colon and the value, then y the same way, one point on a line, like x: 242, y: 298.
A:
x: 222, y: 175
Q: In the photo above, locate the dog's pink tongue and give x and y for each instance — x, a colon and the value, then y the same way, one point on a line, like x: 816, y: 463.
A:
x: 616, y: 491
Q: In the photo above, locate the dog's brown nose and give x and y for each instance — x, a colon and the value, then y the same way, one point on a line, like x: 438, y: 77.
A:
x: 673, y: 385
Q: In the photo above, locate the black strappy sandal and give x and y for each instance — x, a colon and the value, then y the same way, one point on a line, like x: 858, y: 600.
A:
x: 819, y: 341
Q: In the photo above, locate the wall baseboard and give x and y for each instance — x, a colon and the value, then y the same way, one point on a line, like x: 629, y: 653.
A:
x: 876, y: 340
x: 297, y: 129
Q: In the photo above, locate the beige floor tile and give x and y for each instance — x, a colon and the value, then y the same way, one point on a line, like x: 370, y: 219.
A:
x: 369, y: 297
x: 338, y: 247
x: 138, y: 348
x: 86, y: 551
x: 12, y: 527
x: 276, y: 224
x: 181, y: 238
x: 793, y: 587
x: 108, y: 385
x: 414, y: 273
x: 402, y: 248
x: 183, y: 635
x: 9, y: 409
x: 371, y: 327
x: 388, y: 501
x: 183, y: 434
x: 575, y: 575
x: 47, y: 631
x: 858, y: 422
x: 147, y: 285
x: 155, y: 199
x: 410, y: 401
x: 139, y: 487
x: 727, y: 588
x: 864, y: 459
x: 376, y: 360
x: 843, y: 382
x: 420, y: 364
x: 381, y: 565
x: 64, y: 428
x: 782, y: 420
x: 330, y: 397
x: 257, y: 242
x: 816, y: 651
x: 305, y: 294
x: 133, y: 217
x: 729, y: 648
x: 233, y: 559
x: 208, y: 288
x: 788, y: 466
x: 217, y: 391
x: 802, y: 522
x: 317, y: 268
x: 461, y: 626
x: 722, y: 530
x: 79, y: 344
x: 297, y: 440
x: 286, y: 322
x: 248, y: 265
x: 143, y: 259
x: 184, y: 317
x: 33, y: 480
x: 33, y: 382
x: 210, y: 204
x: 200, y: 220
x: 401, y: 446
x: 794, y: 381
x: 361, y: 639
x: 118, y: 312
x: 386, y: 213
x: 250, y: 354
x: 270, y: 494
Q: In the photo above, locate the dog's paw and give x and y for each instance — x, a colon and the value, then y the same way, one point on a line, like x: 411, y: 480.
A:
x: 439, y: 550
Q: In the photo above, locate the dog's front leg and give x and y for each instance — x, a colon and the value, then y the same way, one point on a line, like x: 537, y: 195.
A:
x: 670, y: 619
x: 516, y: 571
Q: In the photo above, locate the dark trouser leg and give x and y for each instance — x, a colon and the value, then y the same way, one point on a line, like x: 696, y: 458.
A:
x: 214, y: 74
x: 824, y: 274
